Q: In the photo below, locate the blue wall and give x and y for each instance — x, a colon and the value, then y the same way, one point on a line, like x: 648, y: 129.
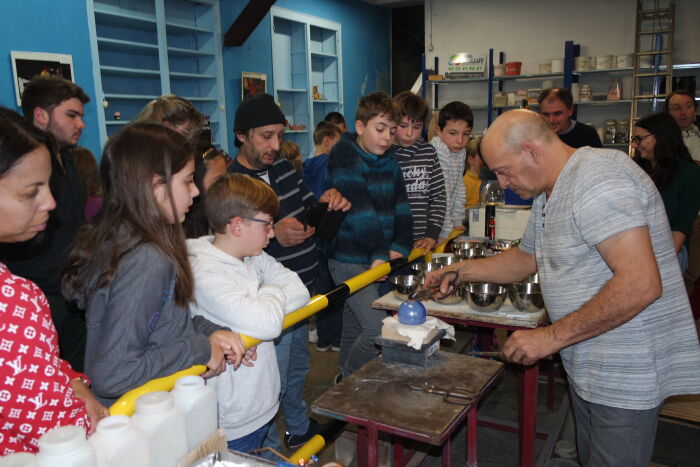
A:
x: 366, y: 38
x: 55, y: 27
x: 61, y: 27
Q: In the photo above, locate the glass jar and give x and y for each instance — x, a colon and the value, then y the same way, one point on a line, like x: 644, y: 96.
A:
x: 615, y: 91
x: 609, y: 131
x: 586, y: 94
x: 622, y: 135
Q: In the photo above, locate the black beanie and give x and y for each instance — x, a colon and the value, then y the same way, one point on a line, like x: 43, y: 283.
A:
x: 256, y: 111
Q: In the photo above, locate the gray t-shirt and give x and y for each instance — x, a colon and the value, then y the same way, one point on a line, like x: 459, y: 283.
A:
x: 656, y: 354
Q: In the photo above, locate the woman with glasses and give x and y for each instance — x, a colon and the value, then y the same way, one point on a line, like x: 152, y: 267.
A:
x: 660, y: 151
x: 175, y: 112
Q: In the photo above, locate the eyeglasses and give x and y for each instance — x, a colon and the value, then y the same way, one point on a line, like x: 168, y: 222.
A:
x: 268, y: 224
x: 638, y: 139
x: 185, y: 131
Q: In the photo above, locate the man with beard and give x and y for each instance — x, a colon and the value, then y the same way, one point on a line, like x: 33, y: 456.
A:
x: 259, y: 127
x: 56, y: 106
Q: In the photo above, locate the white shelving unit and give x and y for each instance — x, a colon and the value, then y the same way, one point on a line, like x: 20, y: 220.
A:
x: 143, y: 49
x: 306, y: 55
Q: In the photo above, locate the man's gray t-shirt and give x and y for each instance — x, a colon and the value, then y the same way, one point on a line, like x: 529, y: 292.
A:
x: 656, y: 354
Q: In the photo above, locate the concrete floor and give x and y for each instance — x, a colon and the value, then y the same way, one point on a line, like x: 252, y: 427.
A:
x: 676, y: 444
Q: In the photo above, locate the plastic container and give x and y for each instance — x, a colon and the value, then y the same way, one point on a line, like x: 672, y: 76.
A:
x: 586, y: 93
x: 164, y: 424
x: 19, y: 459
x: 603, y: 62
x: 499, y: 70
x: 65, y: 446
x: 624, y: 61
x: 575, y: 91
x: 558, y: 65
x: 118, y: 443
x: 545, y: 68
x: 198, y: 402
x: 513, y: 68
x: 582, y: 63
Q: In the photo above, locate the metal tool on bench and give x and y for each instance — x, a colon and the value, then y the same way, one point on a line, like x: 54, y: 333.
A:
x: 430, y: 291
x: 456, y: 395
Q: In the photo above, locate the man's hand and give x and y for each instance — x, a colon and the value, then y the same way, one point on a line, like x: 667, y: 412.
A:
x: 426, y: 244
x: 94, y: 409
x: 459, y: 227
x: 527, y: 347
x: 291, y: 232
x: 440, y: 284
x: 335, y: 200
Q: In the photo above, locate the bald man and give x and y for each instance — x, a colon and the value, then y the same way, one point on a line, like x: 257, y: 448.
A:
x: 599, y: 238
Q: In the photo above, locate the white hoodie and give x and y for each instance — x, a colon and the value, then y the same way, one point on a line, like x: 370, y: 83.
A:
x: 251, y: 297
x: 452, y: 164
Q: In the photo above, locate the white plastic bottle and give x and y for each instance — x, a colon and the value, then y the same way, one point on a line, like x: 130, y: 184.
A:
x: 19, y: 459
x: 198, y: 401
x: 164, y: 424
x: 65, y: 446
x: 119, y: 443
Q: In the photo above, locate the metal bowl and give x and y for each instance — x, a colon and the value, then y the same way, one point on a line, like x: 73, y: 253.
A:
x: 466, y: 242
x: 422, y: 269
x: 526, y: 296
x: 442, y: 261
x: 468, y: 253
x: 403, y: 286
x: 485, y: 296
x: 532, y: 278
x: 502, y: 245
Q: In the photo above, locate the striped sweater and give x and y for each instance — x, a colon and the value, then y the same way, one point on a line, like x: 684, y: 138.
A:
x: 425, y: 188
x: 380, y: 218
x: 295, y: 199
x: 452, y: 164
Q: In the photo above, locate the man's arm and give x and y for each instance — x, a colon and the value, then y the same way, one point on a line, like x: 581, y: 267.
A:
x: 635, y: 284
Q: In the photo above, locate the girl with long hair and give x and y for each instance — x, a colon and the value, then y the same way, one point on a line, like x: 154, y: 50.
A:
x: 660, y: 151
x: 128, y: 268
x: 32, y: 372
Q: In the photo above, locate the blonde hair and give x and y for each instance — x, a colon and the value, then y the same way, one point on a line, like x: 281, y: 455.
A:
x: 236, y: 195
x: 291, y: 152
x: 174, y: 109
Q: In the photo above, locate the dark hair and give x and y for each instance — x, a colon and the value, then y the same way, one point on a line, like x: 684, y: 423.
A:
x: 376, y: 104
x: 18, y: 138
x: 239, y: 195
x: 130, y: 215
x: 669, y: 149
x: 413, y: 106
x: 335, y: 118
x: 195, y: 224
x: 681, y: 92
x: 47, y: 92
x: 563, y: 94
x: 86, y: 166
x: 325, y: 129
x: 455, y: 111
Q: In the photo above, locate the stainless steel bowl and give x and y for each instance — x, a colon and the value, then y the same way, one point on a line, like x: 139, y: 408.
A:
x: 502, y: 245
x: 442, y: 261
x: 466, y: 242
x: 468, y: 253
x: 485, y: 296
x: 526, y: 296
x: 532, y: 278
x: 403, y: 286
x: 422, y: 269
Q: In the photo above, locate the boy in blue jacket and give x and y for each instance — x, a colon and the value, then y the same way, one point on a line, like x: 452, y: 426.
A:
x: 378, y: 228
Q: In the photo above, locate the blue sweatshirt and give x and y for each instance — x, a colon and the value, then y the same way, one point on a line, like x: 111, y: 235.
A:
x: 380, y: 218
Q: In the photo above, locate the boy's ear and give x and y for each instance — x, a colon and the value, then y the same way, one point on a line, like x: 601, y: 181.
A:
x: 234, y: 226
x: 359, y: 127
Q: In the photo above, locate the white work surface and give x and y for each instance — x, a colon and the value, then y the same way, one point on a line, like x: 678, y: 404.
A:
x: 506, y: 315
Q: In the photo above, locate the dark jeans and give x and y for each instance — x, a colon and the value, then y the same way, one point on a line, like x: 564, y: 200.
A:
x: 329, y: 321
x: 251, y: 441
x: 608, y: 436
x: 69, y: 322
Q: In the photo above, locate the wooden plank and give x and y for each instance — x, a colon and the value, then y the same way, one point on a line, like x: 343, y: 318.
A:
x: 686, y: 407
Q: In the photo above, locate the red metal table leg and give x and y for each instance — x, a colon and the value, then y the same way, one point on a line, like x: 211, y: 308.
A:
x: 398, y: 450
x: 447, y: 452
x: 361, y: 446
x: 471, y: 437
x: 527, y: 413
x: 372, y: 446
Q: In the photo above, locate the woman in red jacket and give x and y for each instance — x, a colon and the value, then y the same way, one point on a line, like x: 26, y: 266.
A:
x: 39, y: 390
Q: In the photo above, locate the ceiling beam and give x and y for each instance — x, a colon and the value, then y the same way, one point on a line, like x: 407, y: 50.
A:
x: 246, y: 22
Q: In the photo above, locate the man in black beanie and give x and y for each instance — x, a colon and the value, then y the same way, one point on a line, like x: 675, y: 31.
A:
x: 259, y: 128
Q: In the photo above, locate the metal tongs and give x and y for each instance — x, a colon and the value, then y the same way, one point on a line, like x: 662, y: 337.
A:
x: 428, y: 293
x: 456, y: 395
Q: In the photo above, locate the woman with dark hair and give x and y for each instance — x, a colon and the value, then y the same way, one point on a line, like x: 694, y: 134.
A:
x: 32, y: 373
x: 129, y: 268
x: 209, y: 166
x: 660, y: 151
